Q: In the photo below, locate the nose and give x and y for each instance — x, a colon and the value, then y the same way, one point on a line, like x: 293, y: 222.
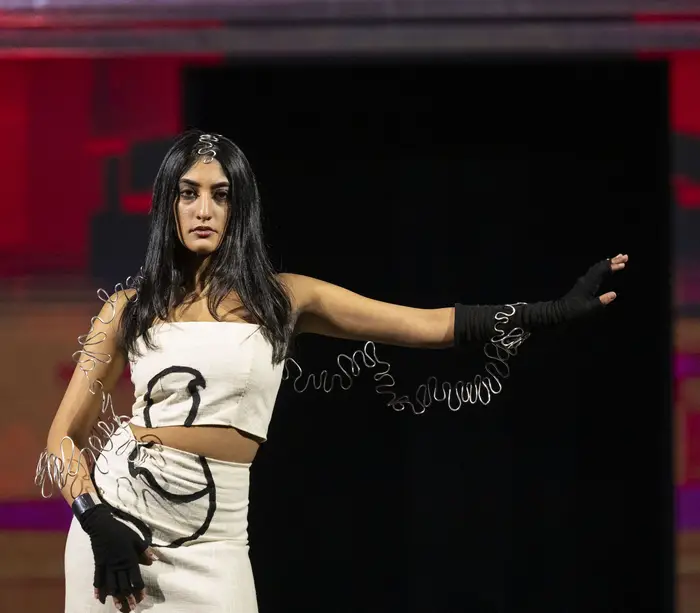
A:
x: 205, y: 207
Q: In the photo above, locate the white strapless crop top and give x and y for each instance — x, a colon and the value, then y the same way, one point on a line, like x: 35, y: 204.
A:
x: 205, y: 373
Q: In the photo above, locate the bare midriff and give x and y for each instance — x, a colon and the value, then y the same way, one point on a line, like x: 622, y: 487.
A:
x: 220, y: 443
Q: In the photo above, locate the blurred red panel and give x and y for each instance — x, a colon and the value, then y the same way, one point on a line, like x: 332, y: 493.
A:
x: 14, y: 155
x: 687, y: 192
x: 103, y: 147
x: 685, y: 92
x: 136, y: 203
x: 667, y: 18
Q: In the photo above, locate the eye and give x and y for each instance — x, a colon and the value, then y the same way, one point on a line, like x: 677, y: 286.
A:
x: 221, y: 195
x: 187, y: 194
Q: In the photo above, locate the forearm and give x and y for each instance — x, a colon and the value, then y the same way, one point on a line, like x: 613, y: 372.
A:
x: 65, y: 464
x: 438, y: 332
x: 390, y: 324
x: 72, y: 448
x: 68, y: 463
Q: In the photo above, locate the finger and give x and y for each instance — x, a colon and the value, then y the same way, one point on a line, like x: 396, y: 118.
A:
x: 124, y: 584
x: 99, y: 579
x: 99, y: 583
x: 131, y: 602
x: 620, y: 258
x: 135, y: 579
x: 112, y: 587
x: 140, y: 595
x: 147, y: 557
x: 608, y: 297
x: 123, y: 605
x: 140, y: 545
x: 122, y: 591
x: 96, y: 593
x: 616, y: 267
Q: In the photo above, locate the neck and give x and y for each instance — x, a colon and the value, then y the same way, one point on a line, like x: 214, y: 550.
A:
x: 196, y: 274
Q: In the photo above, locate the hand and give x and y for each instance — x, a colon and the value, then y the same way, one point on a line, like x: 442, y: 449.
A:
x: 475, y: 323
x: 125, y: 605
x: 587, y: 286
x: 118, y: 551
x: 617, y: 263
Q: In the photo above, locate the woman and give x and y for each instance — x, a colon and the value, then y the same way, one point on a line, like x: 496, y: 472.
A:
x: 205, y: 330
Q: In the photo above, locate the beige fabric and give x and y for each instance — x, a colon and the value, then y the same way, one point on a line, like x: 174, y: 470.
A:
x: 206, y: 373
x: 196, y: 510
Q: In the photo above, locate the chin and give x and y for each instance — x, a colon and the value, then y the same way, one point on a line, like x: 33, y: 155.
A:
x: 202, y: 249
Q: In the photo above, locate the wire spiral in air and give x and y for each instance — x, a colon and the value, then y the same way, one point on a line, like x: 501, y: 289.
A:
x: 480, y: 389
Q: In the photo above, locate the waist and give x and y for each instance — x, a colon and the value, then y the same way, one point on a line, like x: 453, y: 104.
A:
x: 226, y: 444
x: 172, y: 497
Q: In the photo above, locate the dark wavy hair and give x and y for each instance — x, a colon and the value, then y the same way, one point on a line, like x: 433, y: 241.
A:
x: 240, y: 265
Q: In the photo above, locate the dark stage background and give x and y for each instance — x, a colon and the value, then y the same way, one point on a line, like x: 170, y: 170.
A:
x: 438, y: 182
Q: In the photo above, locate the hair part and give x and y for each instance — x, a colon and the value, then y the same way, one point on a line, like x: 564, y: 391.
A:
x: 239, y: 265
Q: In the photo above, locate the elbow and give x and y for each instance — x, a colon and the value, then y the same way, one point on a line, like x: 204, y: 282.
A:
x: 57, y: 432
x: 441, y: 328
x: 61, y: 430
x: 434, y: 329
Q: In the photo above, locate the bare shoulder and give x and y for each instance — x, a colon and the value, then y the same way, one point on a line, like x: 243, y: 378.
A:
x: 123, y: 296
x: 114, y: 305
x: 300, y: 288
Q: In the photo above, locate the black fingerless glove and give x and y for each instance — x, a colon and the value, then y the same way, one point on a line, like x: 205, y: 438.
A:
x: 476, y: 323
x: 116, y: 549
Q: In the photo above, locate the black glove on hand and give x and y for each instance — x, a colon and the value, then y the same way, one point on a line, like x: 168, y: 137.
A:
x: 476, y: 323
x: 116, y: 549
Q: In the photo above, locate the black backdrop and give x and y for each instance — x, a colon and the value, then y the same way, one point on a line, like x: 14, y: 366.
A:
x: 435, y: 182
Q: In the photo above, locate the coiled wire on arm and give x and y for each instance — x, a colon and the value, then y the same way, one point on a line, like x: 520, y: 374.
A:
x: 55, y: 471
x: 479, y: 389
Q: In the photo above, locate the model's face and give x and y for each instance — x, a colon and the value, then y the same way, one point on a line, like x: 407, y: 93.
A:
x: 202, y: 207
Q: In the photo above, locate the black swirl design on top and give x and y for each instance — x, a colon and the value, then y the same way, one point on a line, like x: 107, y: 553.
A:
x: 192, y: 387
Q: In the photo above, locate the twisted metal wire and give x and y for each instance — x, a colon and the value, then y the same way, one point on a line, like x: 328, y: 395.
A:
x: 502, y: 346
x: 207, y: 147
x: 54, y: 471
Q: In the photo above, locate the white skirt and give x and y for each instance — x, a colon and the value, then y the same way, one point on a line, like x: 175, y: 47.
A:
x: 192, y: 510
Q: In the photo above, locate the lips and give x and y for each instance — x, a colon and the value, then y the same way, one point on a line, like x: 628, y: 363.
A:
x: 203, y: 231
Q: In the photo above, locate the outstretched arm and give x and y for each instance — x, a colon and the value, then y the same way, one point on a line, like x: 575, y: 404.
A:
x: 330, y: 310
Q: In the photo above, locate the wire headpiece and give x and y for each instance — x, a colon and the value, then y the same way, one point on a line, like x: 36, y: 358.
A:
x: 206, y: 147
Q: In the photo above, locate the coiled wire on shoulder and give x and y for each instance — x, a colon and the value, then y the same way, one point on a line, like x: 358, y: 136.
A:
x: 480, y: 389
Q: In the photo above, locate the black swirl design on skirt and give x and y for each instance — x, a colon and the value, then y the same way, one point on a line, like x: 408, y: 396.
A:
x: 146, y: 475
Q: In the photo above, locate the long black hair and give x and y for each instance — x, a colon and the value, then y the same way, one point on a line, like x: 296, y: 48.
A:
x: 240, y: 264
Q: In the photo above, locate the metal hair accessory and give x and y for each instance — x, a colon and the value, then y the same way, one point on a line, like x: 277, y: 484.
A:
x: 207, y: 147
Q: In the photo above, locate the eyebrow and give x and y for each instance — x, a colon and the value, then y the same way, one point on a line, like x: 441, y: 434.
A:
x: 195, y: 184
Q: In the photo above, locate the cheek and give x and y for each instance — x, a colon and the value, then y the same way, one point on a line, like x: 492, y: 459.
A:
x: 181, y: 213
